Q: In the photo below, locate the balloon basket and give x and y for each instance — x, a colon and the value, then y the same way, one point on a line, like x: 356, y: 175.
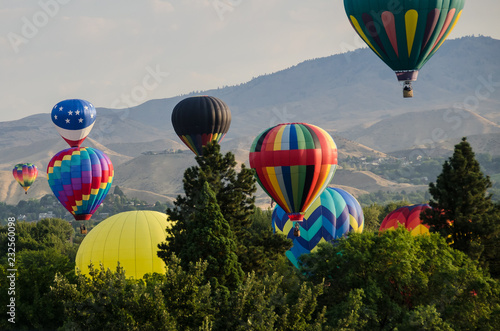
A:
x: 407, y: 90
x: 408, y: 94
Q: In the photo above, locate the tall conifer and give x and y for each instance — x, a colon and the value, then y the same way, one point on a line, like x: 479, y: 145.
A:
x: 462, y: 211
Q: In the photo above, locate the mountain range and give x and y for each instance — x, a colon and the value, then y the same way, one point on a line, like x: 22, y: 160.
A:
x: 353, y: 96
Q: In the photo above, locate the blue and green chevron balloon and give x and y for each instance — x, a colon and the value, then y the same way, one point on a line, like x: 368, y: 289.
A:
x: 330, y: 217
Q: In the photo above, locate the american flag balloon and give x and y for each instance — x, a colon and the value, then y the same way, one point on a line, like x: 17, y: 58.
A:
x: 73, y: 118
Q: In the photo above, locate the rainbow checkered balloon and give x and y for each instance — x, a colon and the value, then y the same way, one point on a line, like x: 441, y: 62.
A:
x: 80, y: 178
x: 294, y: 163
x: 25, y: 174
x: 332, y: 216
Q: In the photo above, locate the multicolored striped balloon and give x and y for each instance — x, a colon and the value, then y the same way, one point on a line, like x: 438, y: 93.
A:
x: 409, y: 217
x: 25, y: 174
x: 80, y: 178
x: 199, y: 120
x: 330, y: 217
x: 294, y: 163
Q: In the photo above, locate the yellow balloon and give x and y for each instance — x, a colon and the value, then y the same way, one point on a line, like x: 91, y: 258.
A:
x: 130, y: 237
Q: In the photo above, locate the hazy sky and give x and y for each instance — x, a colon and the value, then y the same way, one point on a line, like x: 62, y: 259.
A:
x: 121, y: 53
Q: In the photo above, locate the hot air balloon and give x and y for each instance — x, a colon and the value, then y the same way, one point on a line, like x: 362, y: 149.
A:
x: 199, y: 120
x: 80, y: 178
x: 409, y: 217
x: 404, y: 34
x: 294, y: 163
x: 330, y: 217
x: 25, y: 174
x: 73, y: 118
x: 130, y: 238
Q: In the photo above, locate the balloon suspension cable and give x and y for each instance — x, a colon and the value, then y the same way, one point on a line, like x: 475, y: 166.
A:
x: 407, y: 89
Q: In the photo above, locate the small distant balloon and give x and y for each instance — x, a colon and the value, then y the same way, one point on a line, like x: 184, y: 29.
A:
x: 80, y: 178
x: 199, y: 120
x: 25, y: 174
x: 74, y: 119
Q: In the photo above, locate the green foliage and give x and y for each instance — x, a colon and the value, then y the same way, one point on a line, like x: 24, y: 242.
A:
x: 256, y: 247
x: 416, y: 169
x: 182, y: 300
x: 42, y: 249
x: 382, y: 198
x: 118, y: 191
x: 107, y: 300
x: 373, y: 214
x: 233, y: 190
x: 208, y: 237
x: 425, y: 318
x: 187, y: 295
x: 386, y: 281
x: 47, y: 233
x: 36, y: 271
x: 463, y: 212
x: 263, y: 251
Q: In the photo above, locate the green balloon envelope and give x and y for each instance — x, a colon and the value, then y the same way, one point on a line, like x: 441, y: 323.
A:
x: 404, y: 34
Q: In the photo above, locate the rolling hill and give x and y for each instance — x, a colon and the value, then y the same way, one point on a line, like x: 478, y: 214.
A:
x: 354, y: 96
x: 424, y: 129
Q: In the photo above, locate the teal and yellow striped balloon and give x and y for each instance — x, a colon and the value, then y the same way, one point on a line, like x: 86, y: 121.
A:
x: 330, y: 217
x: 404, y: 34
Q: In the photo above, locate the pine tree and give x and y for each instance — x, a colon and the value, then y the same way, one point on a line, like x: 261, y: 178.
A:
x: 211, y: 240
x: 234, y: 193
x: 118, y: 191
x: 462, y: 210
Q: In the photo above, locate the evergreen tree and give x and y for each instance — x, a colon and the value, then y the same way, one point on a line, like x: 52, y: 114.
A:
x: 211, y: 240
x: 234, y: 193
x: 118, y: 191
x: 462, y: 211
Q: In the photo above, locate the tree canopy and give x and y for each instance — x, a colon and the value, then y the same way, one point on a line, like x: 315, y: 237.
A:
x: 394, y: 280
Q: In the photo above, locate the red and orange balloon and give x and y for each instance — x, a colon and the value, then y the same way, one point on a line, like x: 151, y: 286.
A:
x: 407, y: 216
